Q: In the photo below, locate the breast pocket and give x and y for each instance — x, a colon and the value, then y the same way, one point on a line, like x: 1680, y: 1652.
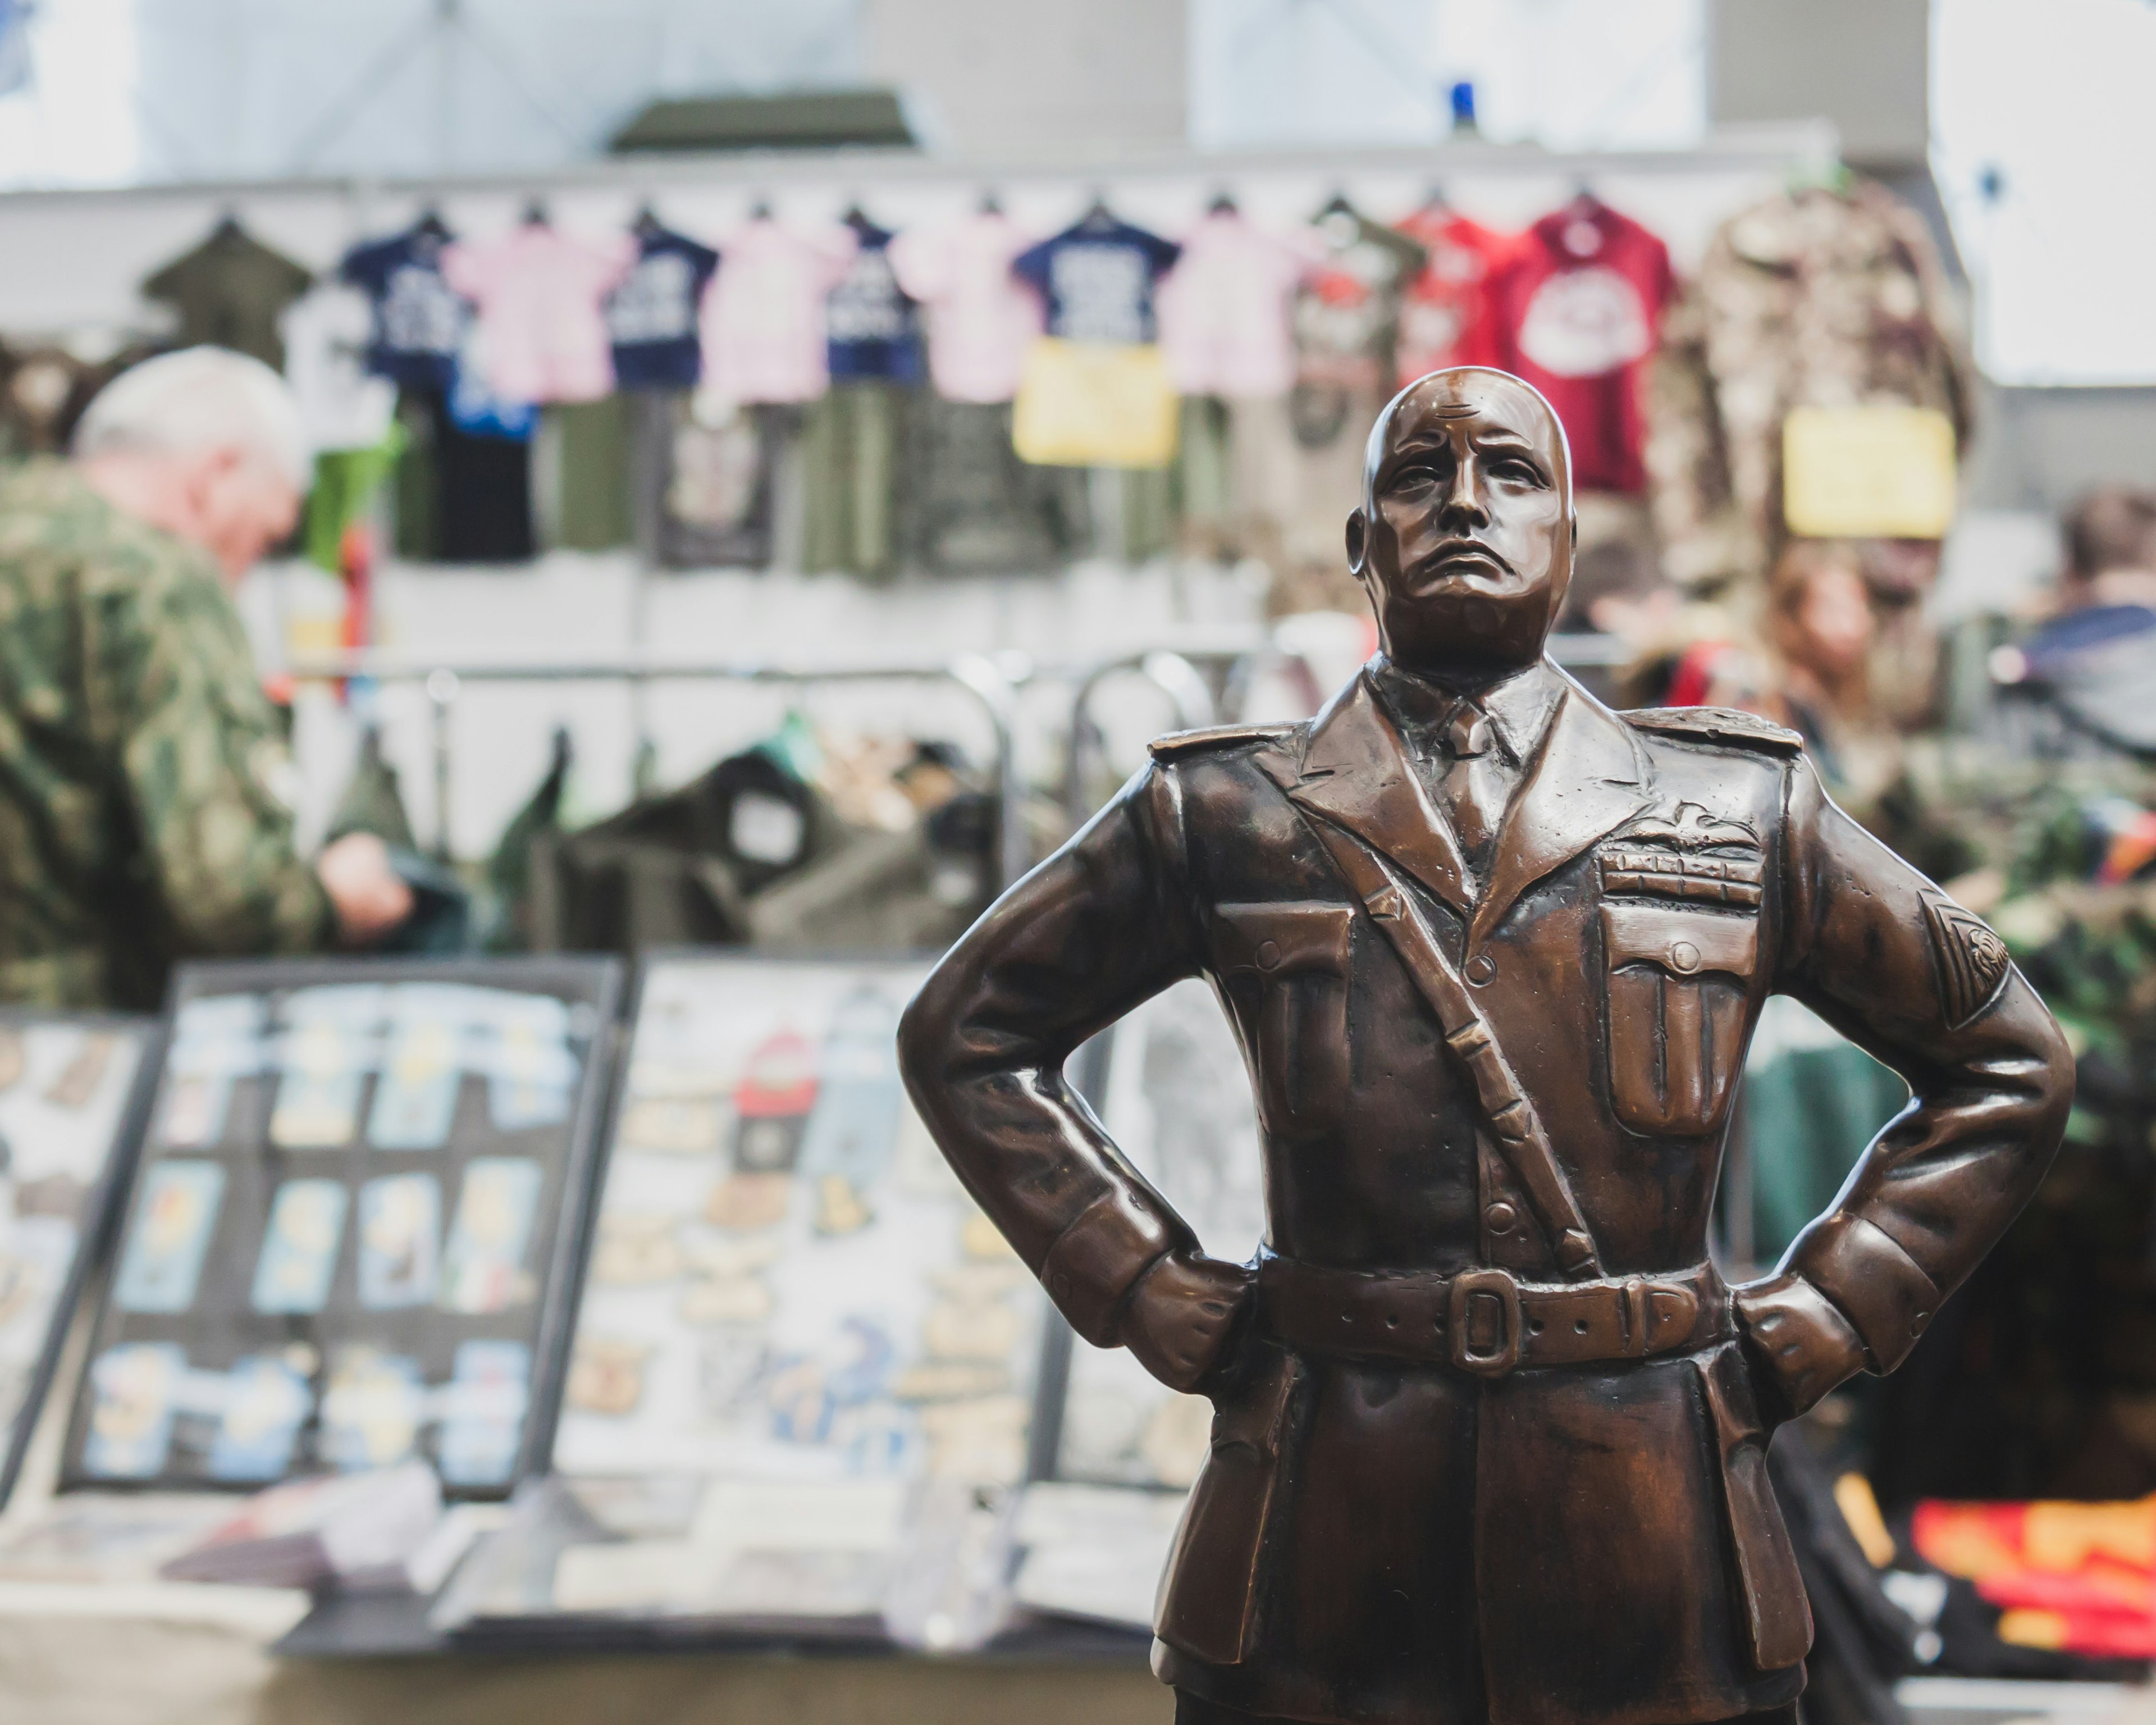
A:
x: 1285, y: 966
x: 1678, y: 980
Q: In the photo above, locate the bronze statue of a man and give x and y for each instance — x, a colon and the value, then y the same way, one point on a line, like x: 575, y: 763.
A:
x: 1491, y: 1431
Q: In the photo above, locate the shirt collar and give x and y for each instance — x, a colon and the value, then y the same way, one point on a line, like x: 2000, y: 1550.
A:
x: 1518, y: 707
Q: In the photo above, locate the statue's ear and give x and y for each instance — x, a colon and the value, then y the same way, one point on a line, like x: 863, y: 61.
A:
x: 1358, y: 541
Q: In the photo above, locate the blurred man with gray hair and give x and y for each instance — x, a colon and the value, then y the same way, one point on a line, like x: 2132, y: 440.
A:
x: 145, y: 784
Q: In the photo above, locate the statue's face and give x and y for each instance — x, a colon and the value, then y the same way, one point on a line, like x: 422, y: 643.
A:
x: 1464, y: 539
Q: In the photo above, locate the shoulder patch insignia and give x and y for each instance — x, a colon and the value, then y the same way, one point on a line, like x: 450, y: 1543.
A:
x: 1972, y: 961
x: 1727, y: 725
x: 1178, y: 743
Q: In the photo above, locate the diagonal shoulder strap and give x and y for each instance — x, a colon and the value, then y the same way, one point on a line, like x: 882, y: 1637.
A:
x: 1512, y: 1116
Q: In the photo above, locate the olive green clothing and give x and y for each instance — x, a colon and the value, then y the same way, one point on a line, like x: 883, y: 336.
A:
x: 141, y: 768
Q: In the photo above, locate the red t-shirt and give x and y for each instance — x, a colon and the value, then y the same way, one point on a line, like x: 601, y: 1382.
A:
x: 1447, y: 314
x: 1578, y: 311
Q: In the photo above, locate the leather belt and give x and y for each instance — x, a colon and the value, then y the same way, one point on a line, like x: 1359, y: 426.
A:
x: 1484, y: 1320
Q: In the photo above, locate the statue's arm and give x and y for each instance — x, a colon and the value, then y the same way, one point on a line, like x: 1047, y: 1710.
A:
x: 1883, y: 956
x: 1101, y: 926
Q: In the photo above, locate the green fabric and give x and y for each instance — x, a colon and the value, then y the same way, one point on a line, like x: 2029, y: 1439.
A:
x: 228, y: 291
x: 509, y: 870
x: 591, y: 480
x: 144, y: 777
x: 1809, y: 1114
x: 418, y: 494
x: 345, y: 483
x: 1205, y: 470
x: 850, y: 457
x: 1133, y: 511
x: 373, y: 802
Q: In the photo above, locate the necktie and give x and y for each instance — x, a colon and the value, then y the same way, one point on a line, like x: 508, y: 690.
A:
x: 1475, y: 783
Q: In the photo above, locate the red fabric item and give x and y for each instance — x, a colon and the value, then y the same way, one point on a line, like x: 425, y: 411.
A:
x: 1447, y: 314
x: 1579, y: 312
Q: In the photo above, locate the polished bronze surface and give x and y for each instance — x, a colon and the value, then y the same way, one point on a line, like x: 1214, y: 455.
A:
x: 1490, y: 1433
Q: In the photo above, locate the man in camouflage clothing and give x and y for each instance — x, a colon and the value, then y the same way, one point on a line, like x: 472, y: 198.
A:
x: 143, y: 781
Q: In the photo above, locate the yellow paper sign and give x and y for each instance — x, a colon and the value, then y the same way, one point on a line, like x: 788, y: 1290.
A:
x: 1094, y: 404
x: 1879, y: 472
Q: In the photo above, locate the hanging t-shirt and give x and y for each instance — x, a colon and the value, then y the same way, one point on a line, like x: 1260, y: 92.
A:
x: 342, y: 404
x: 873, y: 327
x: 1347, y: 313
x: 763, y: 328
x: 228, y: 291
x: 1447, y: 314
x: 1097, y: 277
x: 1578, y: 311
x: 542, y: 336
x: 1226, y: 309
x: 651, y: 314
x: 980, y: 318
x: 418, y: 318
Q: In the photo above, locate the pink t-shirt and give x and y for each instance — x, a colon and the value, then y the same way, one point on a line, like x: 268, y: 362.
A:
x: 1226, y: 309
x: 763, y: 325
x: 981, y: 317
x: 542, y: 335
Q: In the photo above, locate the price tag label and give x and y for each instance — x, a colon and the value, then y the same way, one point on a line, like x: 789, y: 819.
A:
x: 1878, y: 472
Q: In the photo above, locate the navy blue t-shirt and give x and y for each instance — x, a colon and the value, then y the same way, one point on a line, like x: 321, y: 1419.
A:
x: 418, y: 318
x: 651, y: 317
x: 874, y: 330
x: 1097, y: 278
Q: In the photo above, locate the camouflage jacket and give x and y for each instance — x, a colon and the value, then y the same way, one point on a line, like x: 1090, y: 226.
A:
x: 141, y: 818
x: 1812, y: 299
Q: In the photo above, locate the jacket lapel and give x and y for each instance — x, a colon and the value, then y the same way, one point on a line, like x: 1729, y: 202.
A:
x: 1587, y: 779
x: 1357, y: 771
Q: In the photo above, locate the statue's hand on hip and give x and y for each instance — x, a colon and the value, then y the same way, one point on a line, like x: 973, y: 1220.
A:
x: 1185, y: 1317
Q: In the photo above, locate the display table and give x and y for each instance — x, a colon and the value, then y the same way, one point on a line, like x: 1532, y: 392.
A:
x: 105, y: 1671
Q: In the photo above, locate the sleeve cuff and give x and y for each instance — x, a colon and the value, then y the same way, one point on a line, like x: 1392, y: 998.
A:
x: 1099, y: 1258
x: 1883, y: 1292
x: 1805, y: 1341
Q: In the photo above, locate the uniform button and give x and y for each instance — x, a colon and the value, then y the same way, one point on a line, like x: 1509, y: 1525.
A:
x: 1481, y: 968
x: 1268, y: 954
x: 1684, y: 957
x: 1500, y: 1217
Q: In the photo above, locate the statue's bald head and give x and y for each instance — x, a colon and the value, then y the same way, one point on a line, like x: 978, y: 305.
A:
x: 1464, y: 539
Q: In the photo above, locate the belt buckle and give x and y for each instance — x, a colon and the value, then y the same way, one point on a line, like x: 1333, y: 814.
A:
x: 1471, y: 1291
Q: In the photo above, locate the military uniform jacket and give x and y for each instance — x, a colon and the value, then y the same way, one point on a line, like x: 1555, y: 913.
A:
x: 143, y: 781
x: 1376, y: 1540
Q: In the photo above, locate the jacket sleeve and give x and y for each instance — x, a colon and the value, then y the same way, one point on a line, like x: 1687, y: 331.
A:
x: 1097, y: 929
x: 1923, y: 986
x: 204, y: 769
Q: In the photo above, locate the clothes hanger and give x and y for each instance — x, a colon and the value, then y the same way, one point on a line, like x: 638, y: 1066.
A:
x: 1223, y: 204
x: 535, y: 213
x: 990, y: 204
x: 760, y: 211
x: 1434, y: 203
x: 1097, y: 213
x: 430, y: 224
x: 645, y: 224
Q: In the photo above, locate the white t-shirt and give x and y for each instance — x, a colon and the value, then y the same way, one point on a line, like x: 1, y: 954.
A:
x: 343, y: 405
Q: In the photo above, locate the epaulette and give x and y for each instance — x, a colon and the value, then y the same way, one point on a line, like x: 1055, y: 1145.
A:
x: 1718, y: 724
x: 1177, y: 744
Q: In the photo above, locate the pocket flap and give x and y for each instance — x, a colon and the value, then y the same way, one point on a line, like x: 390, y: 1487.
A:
x: 1277, y: 939
x: 1682, y: 942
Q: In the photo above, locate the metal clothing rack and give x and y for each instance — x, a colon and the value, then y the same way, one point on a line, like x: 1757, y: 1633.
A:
x: 993, y: 685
